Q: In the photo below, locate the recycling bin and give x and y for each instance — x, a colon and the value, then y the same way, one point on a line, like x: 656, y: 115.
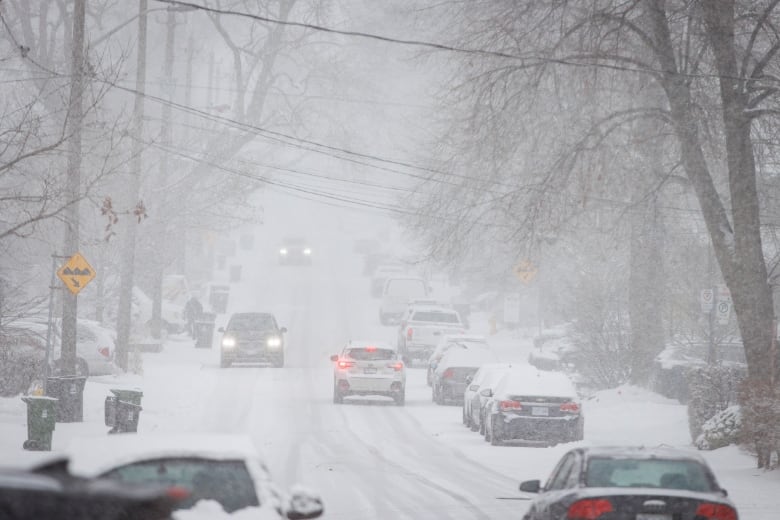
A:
x: 235, y: 273
x: 218, y: 298
x: 41, y: 420
x: 69, y: 392
x: 123, y: 410
x: 204, y: 330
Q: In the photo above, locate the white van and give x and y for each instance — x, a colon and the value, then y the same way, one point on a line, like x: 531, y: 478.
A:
x: 397, y: 294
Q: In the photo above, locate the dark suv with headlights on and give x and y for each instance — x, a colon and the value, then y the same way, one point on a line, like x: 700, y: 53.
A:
x: 252, y: 337
x: 294, y: 251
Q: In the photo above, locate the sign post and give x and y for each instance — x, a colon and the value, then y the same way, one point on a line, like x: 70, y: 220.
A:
x: 512, y: 308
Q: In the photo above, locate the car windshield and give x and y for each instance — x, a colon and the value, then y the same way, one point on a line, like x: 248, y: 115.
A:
x: 436, y: 317
x: 252, y: 322
x: 225, y: 481
x: 370, y: 354
x: 406, y: 289
x: 654, y: 473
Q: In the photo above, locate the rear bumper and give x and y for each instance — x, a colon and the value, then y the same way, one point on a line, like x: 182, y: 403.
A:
x: 537, y: 429
x: 370, y: 386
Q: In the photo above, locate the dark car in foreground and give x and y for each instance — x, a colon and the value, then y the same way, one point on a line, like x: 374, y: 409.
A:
x: 252, y: 337
x: 608, y: 483
x: 533, y: 406
x: 51, y: 492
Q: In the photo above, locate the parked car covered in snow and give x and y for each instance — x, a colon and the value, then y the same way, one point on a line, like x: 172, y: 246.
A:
x: 480, y: 388
x: 455, y: 368
x: 449, y: 341
x: 533, y: 406
x: 223, y: 468
x: 636, y: 483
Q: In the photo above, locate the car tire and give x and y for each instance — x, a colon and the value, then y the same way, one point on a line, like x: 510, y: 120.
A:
x: 400, y: 399
x: 488, y: 435
x: 337, y: 397
x: 463, y: 417
x: 579, y: 432
x: 224, y: 363
x: 279, y: 363
x: 437, y: 397
x: 482, y: 424
x: 473, y: 426
x: 495, y: 434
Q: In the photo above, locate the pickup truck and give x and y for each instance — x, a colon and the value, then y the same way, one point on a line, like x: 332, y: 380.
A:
x: 422, y: 328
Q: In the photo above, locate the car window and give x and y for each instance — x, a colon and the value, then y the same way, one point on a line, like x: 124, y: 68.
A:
x: 560, y: 476
x: 369, y: 354
x: 406, y: 289
x: 225, y: 481
x: 252, y: 322
x: 436, y: 317
x: 658, y: 473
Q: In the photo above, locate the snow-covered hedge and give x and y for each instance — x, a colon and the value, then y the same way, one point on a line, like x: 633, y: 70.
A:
x: 721, y: 430
x: 712, y: 389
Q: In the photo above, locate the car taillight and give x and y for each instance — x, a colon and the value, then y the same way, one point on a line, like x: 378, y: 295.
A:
x: 104, y: 352
x: 409, y: 334
x: 570, y: 407
x: 716, y: 511
x: 346, y: 364
x: 589, y: 509
x: 510, y: 405
x: 448, y: 374
x: 177, y: 492
x: 396, y: 366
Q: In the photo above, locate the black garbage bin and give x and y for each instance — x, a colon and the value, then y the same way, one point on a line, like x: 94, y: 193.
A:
x: 123, y: 410
x: 218, y: 298
x: 204, y: 330
x: 69, y: 391
x: 41, y: 420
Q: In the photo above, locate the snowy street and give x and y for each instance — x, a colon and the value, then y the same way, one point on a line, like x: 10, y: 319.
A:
x: 368, y: 458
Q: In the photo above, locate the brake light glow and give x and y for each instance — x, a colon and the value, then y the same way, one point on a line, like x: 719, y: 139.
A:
x: 589, y: 509
x: 104, y: 352
x: 409, y: 334
x: 397, y: 366
x: 570, y: 407
x: 345, y: 364
x: 716, y: 511
x: 371, y: 348
x: 177, y: 492
x: 448, y: 374
x: 510, y: 405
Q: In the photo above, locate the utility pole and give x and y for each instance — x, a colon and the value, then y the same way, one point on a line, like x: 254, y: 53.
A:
x: 127, y: 269
x: 73, y: 191
x: 166, y: 140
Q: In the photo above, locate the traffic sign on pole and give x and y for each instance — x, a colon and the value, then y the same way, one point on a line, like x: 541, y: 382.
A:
x: 76, y: 273
x: 707, y: 300
x: 525, y: 271
x: 723, y: 311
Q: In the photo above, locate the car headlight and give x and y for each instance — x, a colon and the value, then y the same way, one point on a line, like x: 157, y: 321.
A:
x: 283, y: 251
x: 274, y: 342
x: 307, y: 251
x: 228, y: 342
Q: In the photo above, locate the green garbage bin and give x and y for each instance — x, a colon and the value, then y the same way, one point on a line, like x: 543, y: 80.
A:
x: 69, y: 391
x: 218, y: 298
x: 123, y: 410
x: 41, y: 420
x: 204, y: 330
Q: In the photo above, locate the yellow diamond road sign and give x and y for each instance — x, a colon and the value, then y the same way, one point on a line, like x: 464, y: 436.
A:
x: 525, y: 271
x: 76, y: 273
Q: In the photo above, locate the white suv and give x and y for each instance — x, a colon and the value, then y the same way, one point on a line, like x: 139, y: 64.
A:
x: 368, y: 368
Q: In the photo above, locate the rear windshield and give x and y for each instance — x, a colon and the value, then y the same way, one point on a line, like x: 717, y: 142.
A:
x: 653, y: 473
x: 225, y: 481
x: 380, y: 354
x: 436, y: 317
x: 252, y: 322
x: 406, y: 289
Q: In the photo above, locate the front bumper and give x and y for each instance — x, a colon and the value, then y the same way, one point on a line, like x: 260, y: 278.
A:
x: 249, y: 353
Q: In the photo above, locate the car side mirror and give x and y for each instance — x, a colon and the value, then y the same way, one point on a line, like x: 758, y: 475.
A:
x: 530, y: 486
x: 474, y: 388
x: 487, y: 392
x: 334, y: 357
x: 283, y: 330
x: 469, y: 379
x: 724, y: 492
x: 304, y: 504
x: 221, y: 329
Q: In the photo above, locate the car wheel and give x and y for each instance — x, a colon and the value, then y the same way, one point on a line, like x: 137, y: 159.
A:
x: 474, y: 426
x: 337, y: 397
x: 488, y: 434
x: 437, y: 397
x: 279, y: 363
x: 428, y: 378
x: 463, y: 416
x: 400, y: 399
x: 482, y: 424
x: 224, y: 363
x: 579, y: 433
x: 495, y: 433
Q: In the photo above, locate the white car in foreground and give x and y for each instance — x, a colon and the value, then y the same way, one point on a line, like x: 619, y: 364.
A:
x: 366, y: 369
x: 226, y: 469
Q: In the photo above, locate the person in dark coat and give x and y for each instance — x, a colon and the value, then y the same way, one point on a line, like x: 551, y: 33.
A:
x: 192, y: 311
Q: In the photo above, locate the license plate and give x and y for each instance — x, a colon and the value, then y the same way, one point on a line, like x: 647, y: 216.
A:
x: 541, y: 410
x: 369, y: 370
x: 653, y: 516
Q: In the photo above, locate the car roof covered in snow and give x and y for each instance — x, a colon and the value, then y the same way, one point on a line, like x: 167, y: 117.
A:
x: 527, y: 380
x: 93, y: 456
x: 642, y: 452
x: 360, y: 343
x: 464, y: 357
